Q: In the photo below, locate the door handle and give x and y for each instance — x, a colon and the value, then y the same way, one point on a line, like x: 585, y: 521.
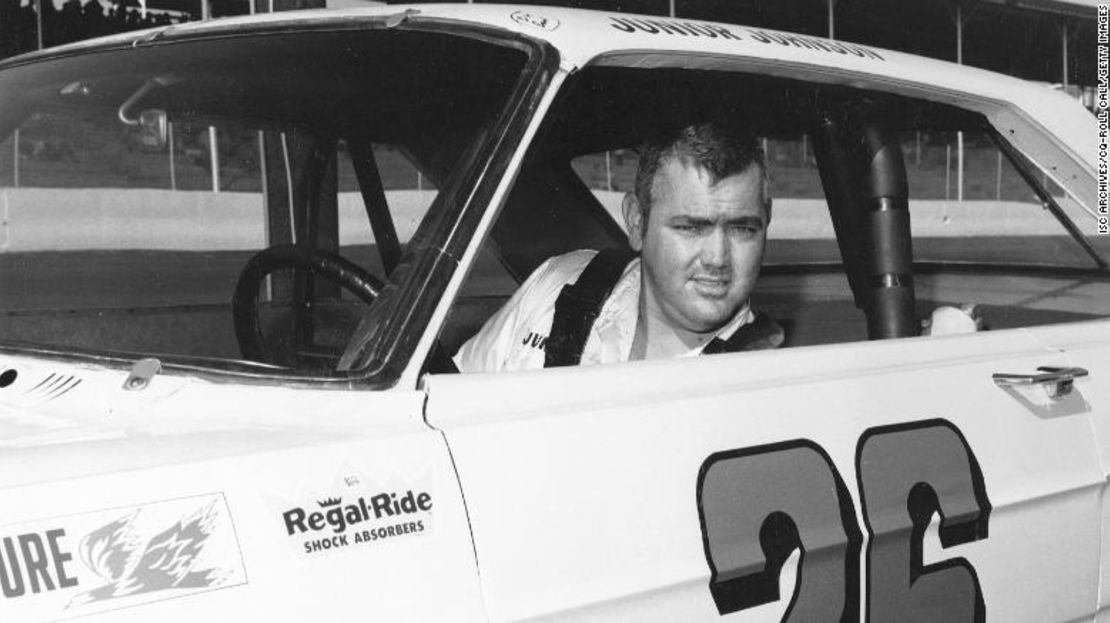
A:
x: 1058, y: 381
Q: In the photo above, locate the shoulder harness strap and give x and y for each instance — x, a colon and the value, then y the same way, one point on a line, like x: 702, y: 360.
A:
x: 760, y: 334
x: 579, y: 305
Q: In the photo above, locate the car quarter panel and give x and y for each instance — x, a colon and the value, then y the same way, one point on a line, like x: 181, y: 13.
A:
x: 611, y: 492
x: 188, y: 501
x: 1087, y: 346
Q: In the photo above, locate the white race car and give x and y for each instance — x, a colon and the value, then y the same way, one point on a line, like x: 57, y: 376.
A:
x: 237, y: 256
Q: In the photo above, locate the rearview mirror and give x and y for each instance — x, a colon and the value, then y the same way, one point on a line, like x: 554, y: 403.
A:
x: 153, y: 128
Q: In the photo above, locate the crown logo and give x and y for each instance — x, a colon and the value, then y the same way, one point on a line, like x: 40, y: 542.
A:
x: 329, y: 502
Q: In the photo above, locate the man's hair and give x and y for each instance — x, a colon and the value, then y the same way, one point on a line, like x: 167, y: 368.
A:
x: 719, y: 149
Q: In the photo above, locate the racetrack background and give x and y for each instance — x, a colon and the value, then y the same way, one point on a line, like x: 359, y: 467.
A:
x: 134, y: 242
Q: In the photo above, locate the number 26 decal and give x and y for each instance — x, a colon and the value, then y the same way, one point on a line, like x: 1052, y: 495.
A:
x: 757, y: 505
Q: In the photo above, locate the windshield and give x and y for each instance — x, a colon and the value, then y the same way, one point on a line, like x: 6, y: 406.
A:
x: 241, y: 198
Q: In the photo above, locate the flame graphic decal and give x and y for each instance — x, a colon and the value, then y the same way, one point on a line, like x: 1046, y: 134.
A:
x: 166, y: 561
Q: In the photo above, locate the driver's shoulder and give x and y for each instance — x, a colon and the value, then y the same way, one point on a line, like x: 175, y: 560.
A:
x: 557, y: 271
x: 568, y: 265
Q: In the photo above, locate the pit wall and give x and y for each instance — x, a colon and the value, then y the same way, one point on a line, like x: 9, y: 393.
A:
x: 809, y: 218
x: 40, y: 219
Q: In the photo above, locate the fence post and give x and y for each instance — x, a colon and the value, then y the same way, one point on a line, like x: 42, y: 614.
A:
x: 998, y: 179
x: 214, y: 158
x: 15, y: 160
x: 948, y: 172
x: 959, y: 166
x: 173, y: 166
x: 608, y: 173
x: 38, y: 22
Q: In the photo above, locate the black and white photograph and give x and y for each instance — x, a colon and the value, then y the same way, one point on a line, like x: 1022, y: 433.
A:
x: 587, y: 311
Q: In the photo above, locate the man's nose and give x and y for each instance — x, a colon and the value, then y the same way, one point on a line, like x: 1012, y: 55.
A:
x: 716, y: 248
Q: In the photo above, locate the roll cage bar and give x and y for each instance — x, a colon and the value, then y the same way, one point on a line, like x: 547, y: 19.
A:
x: 862, y: 170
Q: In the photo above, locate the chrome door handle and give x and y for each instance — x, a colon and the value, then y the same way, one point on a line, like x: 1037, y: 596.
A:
x: 1062, y: 379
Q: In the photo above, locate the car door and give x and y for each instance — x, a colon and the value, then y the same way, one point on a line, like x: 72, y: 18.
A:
x: 835, y: 482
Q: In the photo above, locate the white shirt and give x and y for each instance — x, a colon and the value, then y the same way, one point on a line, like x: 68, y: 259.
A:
x: 515, y: 337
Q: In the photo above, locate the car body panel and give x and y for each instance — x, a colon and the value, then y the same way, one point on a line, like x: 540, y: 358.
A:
x: 99, y: 456
x: 604, y: 470
x: 1088, y: 349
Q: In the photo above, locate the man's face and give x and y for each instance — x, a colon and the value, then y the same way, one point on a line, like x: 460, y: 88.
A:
x: 701, y: 245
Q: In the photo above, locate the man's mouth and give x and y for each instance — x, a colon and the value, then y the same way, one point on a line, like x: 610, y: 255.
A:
x: 711, y: 286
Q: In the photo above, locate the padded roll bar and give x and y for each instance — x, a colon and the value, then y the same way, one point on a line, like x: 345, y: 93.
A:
x: 864, y: 177
x: 886, y: 195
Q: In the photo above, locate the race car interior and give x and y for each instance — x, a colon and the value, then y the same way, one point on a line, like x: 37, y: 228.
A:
x: 840, y: 263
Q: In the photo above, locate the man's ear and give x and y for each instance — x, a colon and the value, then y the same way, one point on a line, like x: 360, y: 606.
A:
x: 633, y: 221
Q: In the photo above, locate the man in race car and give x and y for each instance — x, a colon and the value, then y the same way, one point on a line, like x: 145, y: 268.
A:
x: 698, y: 218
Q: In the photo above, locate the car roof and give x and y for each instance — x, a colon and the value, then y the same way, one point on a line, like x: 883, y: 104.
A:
x: 583, y: 37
